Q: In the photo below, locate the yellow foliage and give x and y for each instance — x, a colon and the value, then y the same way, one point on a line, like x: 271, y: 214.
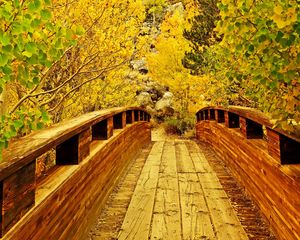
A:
x: 165, y: 65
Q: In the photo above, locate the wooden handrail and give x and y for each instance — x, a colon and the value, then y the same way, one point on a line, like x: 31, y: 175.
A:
x: 71, y: 138
x: 282, y: 145
x: 264, y: 159
x: 254, y: 115
x: 24, y: 150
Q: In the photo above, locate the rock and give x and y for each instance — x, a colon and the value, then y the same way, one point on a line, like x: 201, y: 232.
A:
x: 140, y: 66
x: 164, y: 105
x: 176, y: 7
x: 165, y: 102
x: 144, y: 99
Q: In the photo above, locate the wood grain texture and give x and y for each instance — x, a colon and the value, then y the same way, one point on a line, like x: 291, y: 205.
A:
x: 184, y: 161
x: 18, y: 191
x: 84, y: 141
x: 68, y: 200
x: 254, y: 115
x: 137, y: 221
x: 166, y: 222
x: 28, y: 148
x: 196, y: 221
x: 275, y: 188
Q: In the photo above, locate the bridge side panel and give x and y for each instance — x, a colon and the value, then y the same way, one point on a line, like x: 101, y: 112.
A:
x: 66, y: 212
x: 274, y: 188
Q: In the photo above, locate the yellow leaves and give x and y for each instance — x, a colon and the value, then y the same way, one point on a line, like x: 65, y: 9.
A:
x: 278, y: 9
x: 283, y: 17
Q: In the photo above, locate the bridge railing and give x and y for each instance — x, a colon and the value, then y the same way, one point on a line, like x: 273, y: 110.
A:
x: 71, y: 140
x: 265, y: 160
x: 253, y: 124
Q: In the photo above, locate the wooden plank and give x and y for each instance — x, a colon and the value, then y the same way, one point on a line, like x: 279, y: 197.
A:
x: 22, y: 151
x: 64, y: 209
x: 184, y: 161
x: 166, y: 223
x: 137, y: 221
x: 18, y: 192
x: 223, y: 216
x: 201, y: 165
x: 196, y: 222
x: 224, y: 219
x: 261, y: 175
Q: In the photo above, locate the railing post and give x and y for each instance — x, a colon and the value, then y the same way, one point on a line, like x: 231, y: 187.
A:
x: 18, y: 196
x: 226, y: 115
x: 110, y: 127
x: 273, y: 144
x: 85, y: 138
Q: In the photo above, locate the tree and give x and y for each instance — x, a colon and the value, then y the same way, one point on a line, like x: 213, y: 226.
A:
x: 165, y: 64
x: 258, y: 58
x: 201, y: 34
x: 47, y: 58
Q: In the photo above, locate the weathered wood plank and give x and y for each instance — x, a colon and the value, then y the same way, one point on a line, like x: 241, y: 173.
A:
x: 196, y: 222
x: 275, y: 188
x: 224, y: 219
x: 184, y: 161
x: 23, y: 151
x: 76, y: 193
x: 223, y: 216
x: 137, y: 221
x: 166, y: 223
x: 18, y: 192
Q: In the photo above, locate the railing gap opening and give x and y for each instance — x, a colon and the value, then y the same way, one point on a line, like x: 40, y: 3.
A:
x: 289, y: 150
x: 129, y: 118
x: 206, y: 116
x: 220, y: 116
x: 251, y: 129
x: 232, y: 120
x: 99, y: 130
x: 67, y: 152
x: 212, y: 115
x: 119, y: 120
x: 136, y: 115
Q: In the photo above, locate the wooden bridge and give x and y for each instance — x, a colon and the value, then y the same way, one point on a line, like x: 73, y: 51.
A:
x: 105, y: 162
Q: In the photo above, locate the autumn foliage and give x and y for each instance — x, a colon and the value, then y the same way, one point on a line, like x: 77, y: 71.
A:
x: 60, y: 58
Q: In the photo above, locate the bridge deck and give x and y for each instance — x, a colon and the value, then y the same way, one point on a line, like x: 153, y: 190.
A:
x: 170, y: 192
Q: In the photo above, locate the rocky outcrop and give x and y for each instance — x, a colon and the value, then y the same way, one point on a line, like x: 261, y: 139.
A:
x: 164, y: 107
x: 144, y: 99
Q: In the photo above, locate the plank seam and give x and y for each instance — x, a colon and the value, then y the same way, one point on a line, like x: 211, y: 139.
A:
x: 153, y: 207
x: 209, y: 212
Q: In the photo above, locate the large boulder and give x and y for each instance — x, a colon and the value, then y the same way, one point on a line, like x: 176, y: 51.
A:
x: 164, y: 105
x: 144, y: 99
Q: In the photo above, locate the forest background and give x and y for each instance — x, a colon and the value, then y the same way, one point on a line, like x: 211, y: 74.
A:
x: 62, y: 58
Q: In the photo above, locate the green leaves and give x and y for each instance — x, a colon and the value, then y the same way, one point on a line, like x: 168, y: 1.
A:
x: 46, y: 14
x: 34, y: 6
x: 3, y: 59
x: 30, y: 41
x: 260, y: 40
x: 4, y: 39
